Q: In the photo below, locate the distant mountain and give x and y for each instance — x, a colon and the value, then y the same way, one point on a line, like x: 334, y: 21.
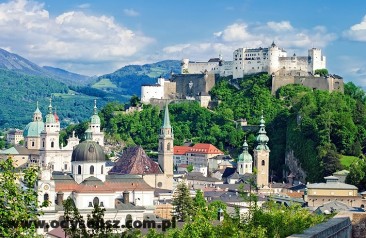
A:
x: 16, y: 63
x: 69, y: 77
x: 23, y: 83
x: 128, y: 80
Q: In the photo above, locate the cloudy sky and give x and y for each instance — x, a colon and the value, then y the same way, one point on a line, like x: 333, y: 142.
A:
x: 98, y: 37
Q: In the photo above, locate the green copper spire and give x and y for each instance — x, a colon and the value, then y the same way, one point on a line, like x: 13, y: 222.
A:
x: 262, y: 137
x: 88, y: 134
x: 95, y: 119
x: 50, y: 106
x: 37, y: 109
x: 95, y: 107
x: 166, y: 123
x: 245, y: 156
x: 50, y: 118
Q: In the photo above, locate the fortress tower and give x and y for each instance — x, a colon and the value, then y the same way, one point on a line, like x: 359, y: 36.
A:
x: 316, y: 60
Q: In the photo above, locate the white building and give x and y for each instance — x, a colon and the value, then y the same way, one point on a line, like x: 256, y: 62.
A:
x: 89, y: 184
x: 257, y: 60
x: 155, y: 91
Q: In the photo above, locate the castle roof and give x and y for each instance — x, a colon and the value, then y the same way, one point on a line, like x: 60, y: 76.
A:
x: 135, y: 161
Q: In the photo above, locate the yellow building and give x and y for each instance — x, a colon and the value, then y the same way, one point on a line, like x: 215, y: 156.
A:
x: 332, y: 190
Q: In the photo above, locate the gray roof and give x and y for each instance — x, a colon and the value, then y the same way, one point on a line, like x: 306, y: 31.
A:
x: 198, y: 176
x: 331, y: 207
x: 331, y: 185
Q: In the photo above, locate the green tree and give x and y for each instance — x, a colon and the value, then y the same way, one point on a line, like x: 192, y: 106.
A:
x: 331, y: 163
x: 357, y: 174
x: 321, y: 72
x: 182, y: 202
x: 190, y: 168
x: 134, y: 101
x: 17, y: 203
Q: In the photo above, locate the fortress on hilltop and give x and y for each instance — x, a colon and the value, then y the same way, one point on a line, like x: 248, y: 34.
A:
x: 197, y: 78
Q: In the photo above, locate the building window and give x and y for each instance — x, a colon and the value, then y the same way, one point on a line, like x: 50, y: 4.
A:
x: 92, y: 169
x: 168, y: 147
x: 96, y: 201
x: 52, y: 144
x: 43, y: 143
x: 79, y: 169
x: 101, y: 169
x: 46, y: 197
x: 263, y: 163
x: 65, y: 166
x: 32, y: 143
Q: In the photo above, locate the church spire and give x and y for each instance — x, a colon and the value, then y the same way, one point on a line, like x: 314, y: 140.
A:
x: 262, y: 137
x: 50, y: 106
x: 95, y: 107
x: 166, y: 123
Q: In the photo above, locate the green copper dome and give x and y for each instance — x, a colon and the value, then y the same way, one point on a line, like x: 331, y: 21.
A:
x: 33, y: 128
x: 245, y: 156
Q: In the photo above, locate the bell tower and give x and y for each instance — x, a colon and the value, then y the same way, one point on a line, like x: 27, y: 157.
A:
x: 261, y: 156
x: 166, y: 140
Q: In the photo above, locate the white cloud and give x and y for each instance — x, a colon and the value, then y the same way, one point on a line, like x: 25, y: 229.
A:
x: 280, y: 26
x: 27, y: 28
x: 242, y: 34
x: 84, y: 5
x: 130, y: 12
x: 357, y: 32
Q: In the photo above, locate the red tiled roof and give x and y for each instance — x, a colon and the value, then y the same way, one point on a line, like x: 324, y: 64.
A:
x: 135, y: 161
x: 202, y: 148
x: 181, y: 150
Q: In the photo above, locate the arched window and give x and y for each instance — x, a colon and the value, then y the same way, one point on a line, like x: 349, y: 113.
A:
x: 32, y: 143
x: 128, y: 217
x: 46, y: 197
x: 65, y: 166
x: 101, y: 169
x: 92, y: 169
x: 79, y: 169
x: 96, y: 201
x: 241, y: 166
x: 43, y: 143
x: 52, y: 144
x: 263, y: 162
x: 161, y: 146
x: 168, y: 147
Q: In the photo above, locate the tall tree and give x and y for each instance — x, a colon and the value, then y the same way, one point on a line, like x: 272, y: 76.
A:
x: 182, y: 202
x: 18, y: 204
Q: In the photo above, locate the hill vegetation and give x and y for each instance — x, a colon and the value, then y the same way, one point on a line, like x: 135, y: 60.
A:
x: 127, y: 81
x: 308, y: 130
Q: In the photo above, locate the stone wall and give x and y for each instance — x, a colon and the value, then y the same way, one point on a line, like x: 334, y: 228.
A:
x: 329, y: 84
x: 190, y: 85
x: 358, y: 225
x: 337, y: 227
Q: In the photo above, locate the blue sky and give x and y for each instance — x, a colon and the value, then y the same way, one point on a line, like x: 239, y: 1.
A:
x: 97, y: 37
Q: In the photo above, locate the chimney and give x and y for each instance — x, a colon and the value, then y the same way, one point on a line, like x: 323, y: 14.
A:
x: 126, y: 197
x: 60, y: 198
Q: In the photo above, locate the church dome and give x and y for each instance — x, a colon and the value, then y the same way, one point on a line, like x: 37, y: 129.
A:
x: 88, y: 151
x: 50, y: 118
x: 33, y: 128
x: 95, y: 119
x: 245, y: 157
